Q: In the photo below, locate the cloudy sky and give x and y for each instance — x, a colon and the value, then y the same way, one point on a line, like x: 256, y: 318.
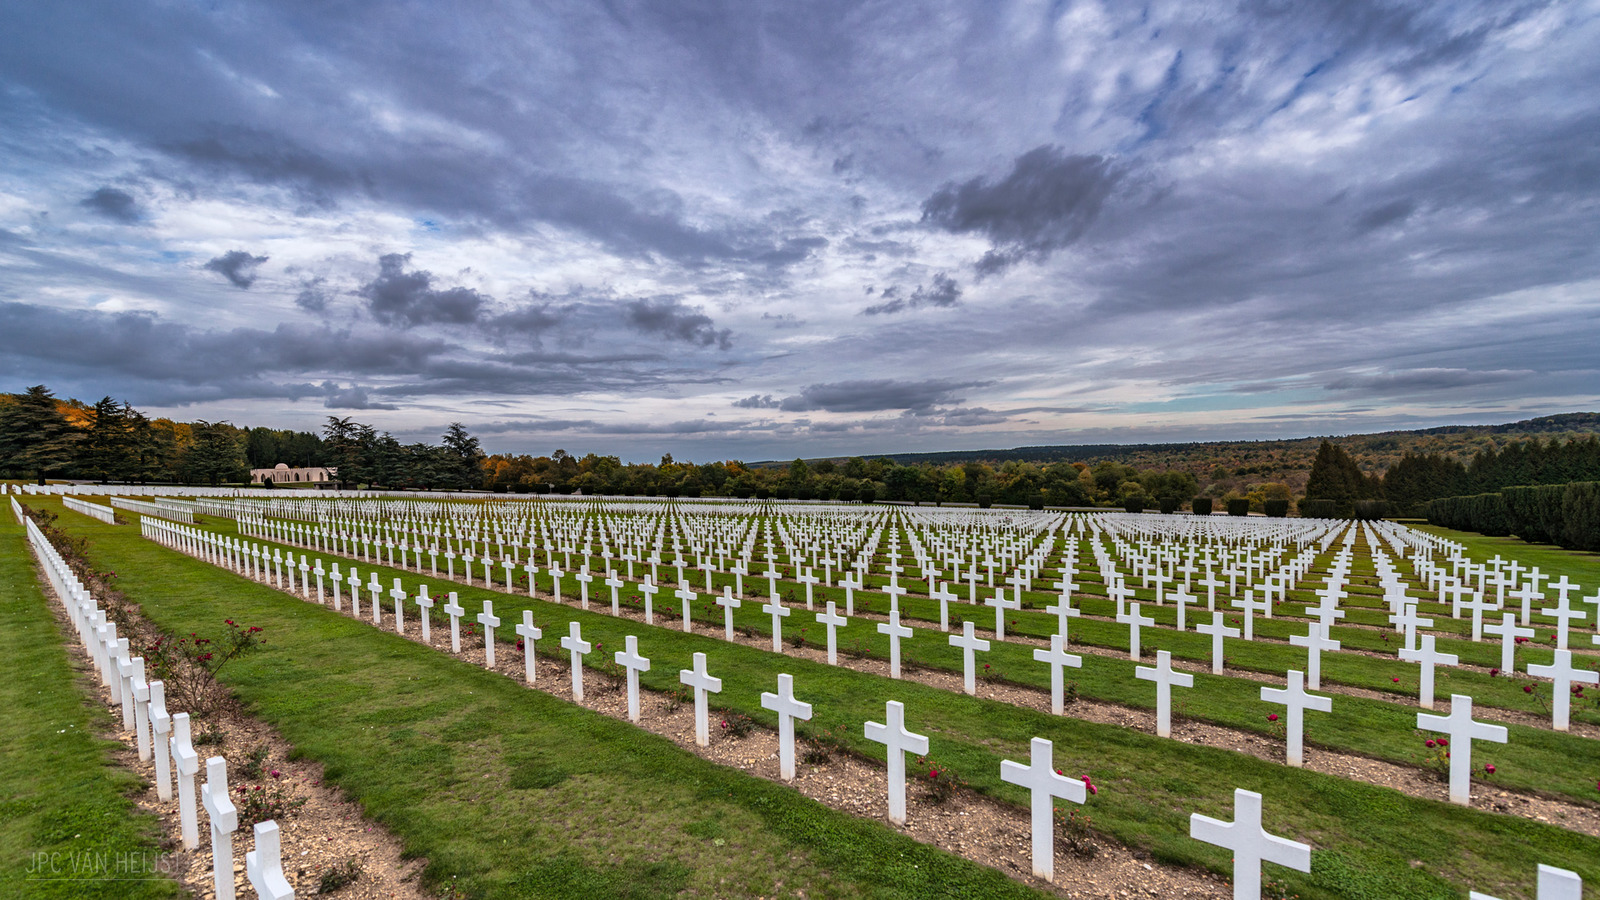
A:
x: 761, y: 230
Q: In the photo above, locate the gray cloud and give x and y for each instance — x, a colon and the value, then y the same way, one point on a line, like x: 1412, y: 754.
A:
x: 313, y: 296
x: 352, y: 397
x: 874, y: 395
x: 118, y: 206
x: 1045, y: 203
x: 1411, y: 381
x: 398, y: 297
x: 757, y: 401
x: 669, y: 317
x: 237, y: 266
x: 943, y: 292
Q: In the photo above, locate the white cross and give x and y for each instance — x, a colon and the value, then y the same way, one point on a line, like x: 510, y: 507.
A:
x: 729, y: 603
x: 1250, y: 843
x: 264, y: 865
x: 583, y: 578
x: 778, y: 612
x: 1478, y: 606
x: 808, y: 580
x: 1134, y: 621
x: 686, y: 594
x: 1298, y: 701
x: 1408, y: 621
x: 1315, y: 640
x: 400, y: 597
x: 490, y: 622
x: 851, y: 584
x: 1248, y: 604
x: 555, y: 580
x: 575, y: 643
x: 895, y: 631
x: 1527, y: 594
x: 1218, y: 631
x: 648, y: 590
x: 614, y: 583
x: 788, y: 709
x: 1001, y: 604
x: 187, y: 763
x: 425, y: 603
x: 355, y: 593
x: 832, y: 621
x: 898, y: 741
x: 943, y: 594
x: 968, y: 641
x: 455, y: 612
x: 1563, y: 612
x: 1428, y: 658
x: 1057, y: 657
x: 631, y: 660
x: 1553, y: 884
x: 376, y: 590
x: 531, y: 570
x: 1564, y: 675
x: 1164, y: 677
x: 1211, y: 584
x: 1509, y: 631
x: 1462, y: 730
x: 161, y: 724
x: 1182, y: 598
x: 698, y: 679
x: 224, y: 818
x: 895, y: 592
x: 1044, y: 786
x: 529, y: 633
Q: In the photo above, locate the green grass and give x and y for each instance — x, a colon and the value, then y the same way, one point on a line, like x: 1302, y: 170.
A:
x: 1371, y: 842
x: 67, y: 827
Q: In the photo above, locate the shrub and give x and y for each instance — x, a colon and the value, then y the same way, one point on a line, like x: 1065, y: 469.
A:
x: 1036, y: 501
x: 1239, y: 506
x: 939, y: 783
x: 1369, y: 510
x: 1580, y: 510
x: 1201, y: 506
x: 1276, y: 509
x: 1169, y: 505
x: 341, y: 875
x: 985, y: 501
x: 1319, y: 509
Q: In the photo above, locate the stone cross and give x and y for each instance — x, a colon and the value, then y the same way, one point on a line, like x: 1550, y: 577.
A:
x: 376, y: 590
x: 337, y: 578
x: 264, y: 864
x: 1563, y: 612
x: 224, y: 818
x: 555, y: 581
x: 400, y: 596
x: 1210, y: 583
x: 729, y: 603
x: 1408, y: 621
x: 1429, y: 658
x: 788, y: 709
x: 1044, y: 785
x: 778, y: 612
x: 1164, y: 677
x: 1063, y: 611
x: 1218, y: 631
x: 529, y: 633
x: 1001, y: 604
x: 851, y: 584
x: 613, y: 582
x: 1527, y: 594
x: 1182, y: 598
x: 1509, y: 631
x: 425, y: 603
x: 1298, y: 701
x: 583, y: 578
x: 141, y: 709
x: 943, y: 594
x: 161, y: 724
x: 701, y: 681
x: 832, y: 621
x: 187, y: 762
x: 648, y: 590
x: 318, y: 571
x: 1134, y: 622
x: 968, y: 641
x: 1250, y: 843
x: 490, y: 622
x: 575, y: 643
x: 530, y: 569
x: 686, y: 594
x: 455, y: 612
x: 631, y: 660
x: 895, y: 631
x: 808, y: 580
x: 355, y: 592
x: 1462, y: 730
x: 895, y: 592
x: 1315, y: 640
x: 1565, y: 676
x: 305, y: 576
x: 1057, y: 657
x: 898, y: 741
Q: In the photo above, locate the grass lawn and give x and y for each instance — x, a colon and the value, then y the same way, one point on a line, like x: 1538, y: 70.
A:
x: 434, y: 747
x: 67, y: 828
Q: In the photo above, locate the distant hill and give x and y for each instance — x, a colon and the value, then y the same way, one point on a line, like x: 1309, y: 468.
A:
x: 1286, y: 461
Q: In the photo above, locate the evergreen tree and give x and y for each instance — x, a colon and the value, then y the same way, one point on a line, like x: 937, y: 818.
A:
x: 35, y: 438
x: 216, y: 454
x: 464, y: 467
x: 105, y: 451
x: 1335, y: 476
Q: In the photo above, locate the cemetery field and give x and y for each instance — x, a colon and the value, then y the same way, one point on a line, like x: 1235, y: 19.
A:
x: 509, y: 791
x: 1575, y: 564
x: 66, y: 824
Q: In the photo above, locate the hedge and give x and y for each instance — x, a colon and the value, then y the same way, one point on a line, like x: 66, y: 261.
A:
x: 1239, y: 506
x: 1276, y: 509
x: 1319, y: 509
x: 1564, y: 514
x: 1201, y: 506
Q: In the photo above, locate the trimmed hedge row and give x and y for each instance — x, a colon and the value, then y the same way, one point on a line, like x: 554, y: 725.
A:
x: 1563, y: 514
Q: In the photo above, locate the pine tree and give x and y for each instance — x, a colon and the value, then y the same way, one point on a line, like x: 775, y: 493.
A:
x: 35, y: 438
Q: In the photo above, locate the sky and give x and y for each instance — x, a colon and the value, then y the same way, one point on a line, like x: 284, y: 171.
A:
x: 751, y: 230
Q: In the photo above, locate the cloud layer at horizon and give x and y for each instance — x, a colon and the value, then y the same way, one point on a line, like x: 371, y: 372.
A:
x: 763, y: 231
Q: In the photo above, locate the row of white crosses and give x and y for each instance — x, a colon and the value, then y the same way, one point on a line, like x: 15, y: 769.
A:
x: 164, y: 738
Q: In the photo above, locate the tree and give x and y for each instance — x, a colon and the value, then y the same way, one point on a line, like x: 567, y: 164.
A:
x: 1335, y: 476
x: 464, y: 458
x: 216, y: 454
x: 35, y: 438
x: 105, y: 451
x: 348, y: 445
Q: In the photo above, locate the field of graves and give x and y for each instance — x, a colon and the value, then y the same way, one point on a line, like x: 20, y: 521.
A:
x: 562, y: 697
